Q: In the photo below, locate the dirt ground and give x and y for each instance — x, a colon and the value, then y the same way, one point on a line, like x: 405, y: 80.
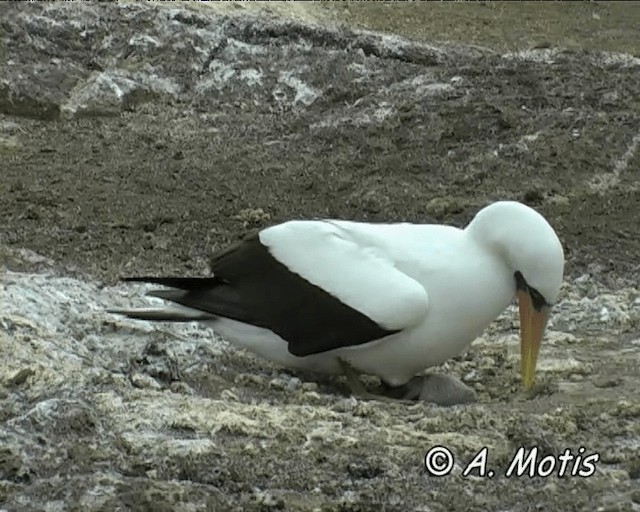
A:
x: 267, y: 120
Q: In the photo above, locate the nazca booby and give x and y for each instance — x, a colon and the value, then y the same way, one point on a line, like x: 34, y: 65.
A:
x: 388, y: 300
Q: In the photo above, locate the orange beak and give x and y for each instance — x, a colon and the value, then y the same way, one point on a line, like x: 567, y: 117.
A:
x: 532, y: 325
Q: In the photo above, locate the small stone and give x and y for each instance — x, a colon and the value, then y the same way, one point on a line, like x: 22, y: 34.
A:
x: 394, y: 499
x: 144, y: 381
x: 278, y: 384
x: 446, y: 390
x: 309, y: 386
x: 607, y: 382
x: 20, y: 377
x: 312, y: 396
x: 626, y: 409
x: 268, y: 501
x: 9, y: 126
x: 250, y: 448
x: 293, y: 384
x: 533, y: 196
x: 9, y: 144
x: 582, y: 279
x: 228, y: 395
x: 558, y: 200
x: 633, y: 468
x: 350, y: 497
x: 250, y: 378
x: 471, y: 376
x: 610, y: 98
x: 181, y: 388
x: 438, y: 207
x: 618, y: 475
x: 346, y: 404
x: 616, y: 507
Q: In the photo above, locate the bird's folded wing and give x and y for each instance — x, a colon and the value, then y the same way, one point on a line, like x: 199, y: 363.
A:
x: 361, y: 276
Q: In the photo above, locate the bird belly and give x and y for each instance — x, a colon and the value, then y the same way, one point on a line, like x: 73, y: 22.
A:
x: 268, y: 345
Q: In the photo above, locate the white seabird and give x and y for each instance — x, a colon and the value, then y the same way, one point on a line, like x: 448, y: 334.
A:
x: 388, y: 300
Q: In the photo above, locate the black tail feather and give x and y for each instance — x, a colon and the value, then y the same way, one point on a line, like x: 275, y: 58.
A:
x: 182, y: 283
x: 163, y: 315
x: 177, y: 296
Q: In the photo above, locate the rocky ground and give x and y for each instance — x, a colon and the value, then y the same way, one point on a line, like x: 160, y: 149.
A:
x: 138, y: 138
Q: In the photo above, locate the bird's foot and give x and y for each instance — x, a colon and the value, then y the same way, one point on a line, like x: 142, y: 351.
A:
x: 359, y: 391
x: 434, y: 388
